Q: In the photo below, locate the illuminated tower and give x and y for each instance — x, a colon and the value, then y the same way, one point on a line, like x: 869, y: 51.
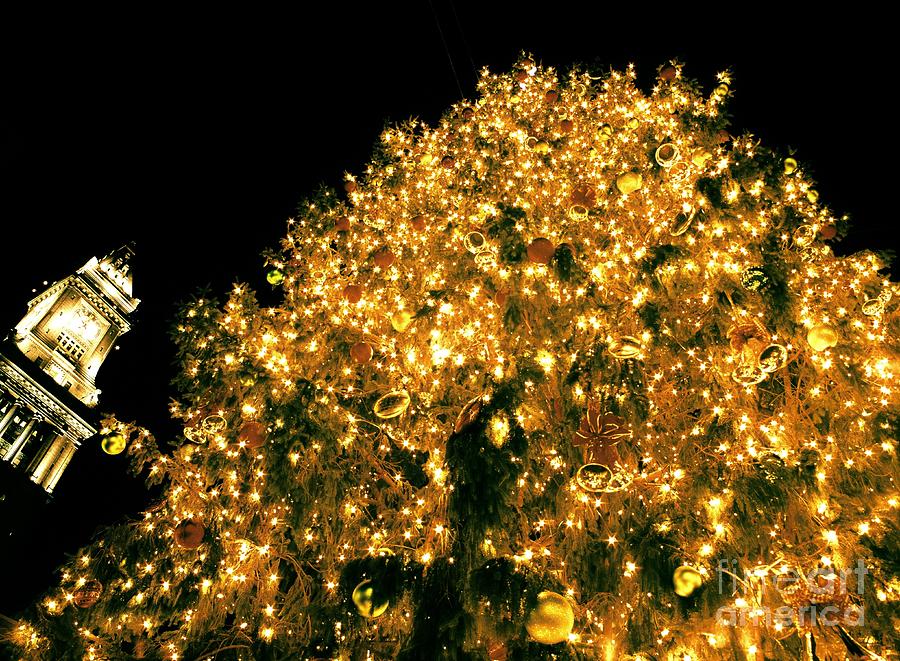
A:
x: 48, y: 366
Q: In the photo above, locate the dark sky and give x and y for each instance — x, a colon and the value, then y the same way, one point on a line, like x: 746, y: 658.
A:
x: 197, y: 136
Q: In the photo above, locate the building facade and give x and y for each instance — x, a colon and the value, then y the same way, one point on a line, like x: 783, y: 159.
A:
x: 49, y: 363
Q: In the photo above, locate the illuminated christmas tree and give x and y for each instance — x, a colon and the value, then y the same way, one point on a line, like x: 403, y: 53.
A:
x: 573, y: 374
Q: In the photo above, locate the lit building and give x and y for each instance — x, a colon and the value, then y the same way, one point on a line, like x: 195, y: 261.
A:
x: 49, y: 363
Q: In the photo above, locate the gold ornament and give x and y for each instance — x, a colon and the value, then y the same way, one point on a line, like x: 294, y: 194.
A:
x: 754, y: 278
x: 578, y: 212
x: 213, y: 424
x: 873, y: 307
x: 401, y: 320
x: 666, y: 155
x: 474, y: 242
x: 87, y: 594
x: 700, y: 156
x: 686, y: 580
x: 822, y: 337
x: 812, y: 195
x: 748, y: 375
x: 604, y: 133
x: 773, y: 358
x: 542, y: 147
x: 625, y: 347
x: 486, y: 259
x: 790, y: 165
x: 629, y: 182
x: 552, y: 619
x: 275, y: 276
x: 113, y: 443
x: 804, y: 235
x: 392, y: 404
x: 189, y: 534
x: 597, y: 478
x: 682, y: 222
x: 368, y: 603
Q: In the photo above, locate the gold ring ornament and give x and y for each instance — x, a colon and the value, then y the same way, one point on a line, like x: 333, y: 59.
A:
x: 213, y: 424
x: 392, y: 405
x: 873, y: 307
x: 804, y: 235
x: 666, y: 155
x: 625, y: 347
x: 474, y: 242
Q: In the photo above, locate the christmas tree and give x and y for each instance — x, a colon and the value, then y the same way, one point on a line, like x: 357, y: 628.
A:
x: 572, y: 375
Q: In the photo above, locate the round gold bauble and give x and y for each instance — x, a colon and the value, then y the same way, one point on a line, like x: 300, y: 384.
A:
x: 252, y: 434
x: 700, y: 156
x: 542, y: 147
x: 392, y: 404
x: 352, y: 294
x: 361, y: 352
x: 629, y: 182
x: 822, y: 337
x: 773, y: 358
x: 668, y: 73
x: 367, y: 602
x: 113, y: 443
x: 812, y: 195
x: 275, y: 276
x: 540, y: 251
x: 552, y: 619
x: 666, y: 155
x: 790, y: 165
x: 625, y: 347
x: 686, y: 579
x: 604, y: 133
x: 384, y: 258
x: 401, y: 320
x: 873, y: 307
x: 88, y: 593
x: 189, y: 534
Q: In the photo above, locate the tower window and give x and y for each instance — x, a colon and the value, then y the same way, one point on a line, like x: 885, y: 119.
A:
x: 69, y: 345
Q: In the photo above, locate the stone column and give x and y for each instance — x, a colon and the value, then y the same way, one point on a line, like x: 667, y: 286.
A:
x: 46, y: 441
x: 58, y: 467
x: 50, y: 456
x: 7, y: 419
x: 21, y: 439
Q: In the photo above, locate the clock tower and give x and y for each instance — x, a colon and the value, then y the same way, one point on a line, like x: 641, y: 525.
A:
x: 49, y: 363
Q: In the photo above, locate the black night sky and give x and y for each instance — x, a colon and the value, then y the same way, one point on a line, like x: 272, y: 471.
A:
x: 197, y: 137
